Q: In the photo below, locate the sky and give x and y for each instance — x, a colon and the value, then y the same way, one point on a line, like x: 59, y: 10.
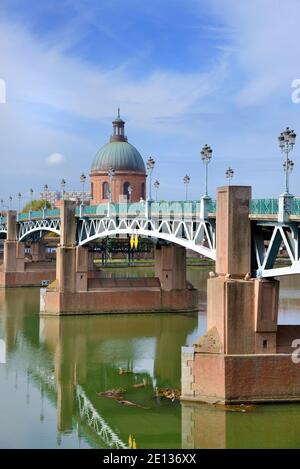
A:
x: 184, y: 73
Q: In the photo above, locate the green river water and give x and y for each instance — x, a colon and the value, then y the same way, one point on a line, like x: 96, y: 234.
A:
x: 51, y: 370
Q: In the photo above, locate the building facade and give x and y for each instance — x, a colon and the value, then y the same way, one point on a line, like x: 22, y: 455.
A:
x: 128, y: 172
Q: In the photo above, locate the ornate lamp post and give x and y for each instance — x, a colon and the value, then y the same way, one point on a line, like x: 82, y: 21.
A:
x: 286, y: 141
x: 46, y: 195
x: 229, y: 173
x: 110, y: 173
x: 10, y: 202
x: 288, y: 167
x: 31, y: 195
x: 130, y: 192
x: 63, y: 186
x: 206, y: 155
x: 156, y: 187
x: 82, y: 180
x: 186, y: 181
x: 150, y: 167
x: 19, y: 202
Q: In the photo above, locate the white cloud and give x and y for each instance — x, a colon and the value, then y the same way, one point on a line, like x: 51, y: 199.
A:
x: 55, y: 159
x: 44, y: 75
x: 264, y: 36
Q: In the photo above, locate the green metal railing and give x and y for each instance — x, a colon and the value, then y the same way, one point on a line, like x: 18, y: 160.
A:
x: 296, y: 206
x: 173, y: 208
x: 264, y: 206
x: 38, y: 214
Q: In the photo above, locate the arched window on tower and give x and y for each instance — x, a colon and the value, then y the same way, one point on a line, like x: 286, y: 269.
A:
x: 92, y: 190
x: 125, y: 189
x: 105, y: 190
x: 143, y: 196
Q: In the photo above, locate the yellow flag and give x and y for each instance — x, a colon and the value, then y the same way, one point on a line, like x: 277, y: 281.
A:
x: 131, y: 241
x: 136, y: 242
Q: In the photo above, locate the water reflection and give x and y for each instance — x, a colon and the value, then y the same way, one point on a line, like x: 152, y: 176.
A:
x: 68, y: 360
x: 267, y: 426
x: 51, y: 370
x: 289, y: 304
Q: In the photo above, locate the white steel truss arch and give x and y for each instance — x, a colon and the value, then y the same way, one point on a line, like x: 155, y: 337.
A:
x: 198, y: 236
x: 266, y: 254
x: 3, y: 227
x: 26, y: 228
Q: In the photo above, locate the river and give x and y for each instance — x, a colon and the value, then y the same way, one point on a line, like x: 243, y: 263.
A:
x: 52, y: 369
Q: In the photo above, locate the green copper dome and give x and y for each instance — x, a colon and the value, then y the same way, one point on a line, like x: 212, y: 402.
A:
x: 118, y: 153
x: 122, y: 156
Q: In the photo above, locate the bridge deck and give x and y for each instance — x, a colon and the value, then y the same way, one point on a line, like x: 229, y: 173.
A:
x: 260, y: 209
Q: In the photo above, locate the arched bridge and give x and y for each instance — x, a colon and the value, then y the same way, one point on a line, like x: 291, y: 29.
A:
x: 186, y: 223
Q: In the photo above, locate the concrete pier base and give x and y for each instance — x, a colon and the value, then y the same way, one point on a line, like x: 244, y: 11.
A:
x: 237, y: 379
x: 79, y: 288
x: 28, y: 278
x: 238, y: 360
x: 16, y: 270
x: 143, y: 299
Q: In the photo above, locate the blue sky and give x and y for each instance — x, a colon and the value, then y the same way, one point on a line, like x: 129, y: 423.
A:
x: 184, y: 72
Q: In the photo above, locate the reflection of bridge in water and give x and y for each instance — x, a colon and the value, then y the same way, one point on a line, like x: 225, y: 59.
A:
x: 84, y: 410
x: 73, y: 358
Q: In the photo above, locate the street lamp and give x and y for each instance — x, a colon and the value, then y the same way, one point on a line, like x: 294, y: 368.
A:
x: 82, y: 180
x: 206, y: 155
x: 19, y: 203
x: 286, y: 141
x: 130, y: 191
x: 288, y: 166
x: 46, y: 194
x: 150, y: 167
x: 63, y: 186
x: 156, y: 187
x: 10, y: 202
x: 111, y: 172
x: 186, y: 181
x: 229, y: 174
x: 31, y: 195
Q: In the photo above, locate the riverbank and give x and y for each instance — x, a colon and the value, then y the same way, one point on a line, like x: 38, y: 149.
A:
x: 149, y: 263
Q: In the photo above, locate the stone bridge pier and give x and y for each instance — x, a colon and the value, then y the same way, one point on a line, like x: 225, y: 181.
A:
x: 16, y: 270
x: 236, y: 360
x: 80, y: 288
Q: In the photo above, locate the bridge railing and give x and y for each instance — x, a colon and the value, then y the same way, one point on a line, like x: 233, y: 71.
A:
x: 172, y: 209
x: 264, y: 206
x: 296, y: 206
x: 38, y: 214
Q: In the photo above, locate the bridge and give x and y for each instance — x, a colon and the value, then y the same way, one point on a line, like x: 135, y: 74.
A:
x: 185, y: 223
x: 242, y: 235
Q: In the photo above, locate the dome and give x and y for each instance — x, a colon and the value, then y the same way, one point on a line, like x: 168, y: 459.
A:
x: 120, y: 155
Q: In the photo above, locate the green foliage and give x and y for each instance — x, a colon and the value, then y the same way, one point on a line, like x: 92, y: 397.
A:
x: 36, y: 205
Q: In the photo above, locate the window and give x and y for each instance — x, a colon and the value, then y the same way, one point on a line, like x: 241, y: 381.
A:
x: 105, y: 190
x: 92, y: 190
x: 125, y: 189
x: 143, y: 190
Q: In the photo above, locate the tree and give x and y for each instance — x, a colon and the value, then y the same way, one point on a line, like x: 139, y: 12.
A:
x: 36, y: 205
